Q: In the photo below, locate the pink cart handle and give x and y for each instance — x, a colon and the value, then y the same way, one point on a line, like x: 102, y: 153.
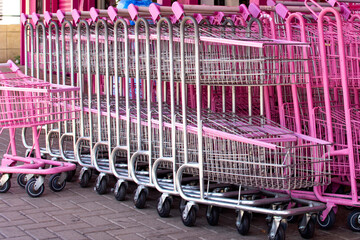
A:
x: 23, y: 18
x: 133, y: 11
x: 245, y: 13
x: 112, y: 12
x: 270, y: 3
x: 76, y: 14
x: 35, y: 18
x: 94, y: 13
x: 282, y: 10
x: 13, y: 66
x: 178, y: 10
x: 155, y: 12
x: 60, y: 15
x: 254, y: 10
x: 345, y: 11
x: 47, y: 17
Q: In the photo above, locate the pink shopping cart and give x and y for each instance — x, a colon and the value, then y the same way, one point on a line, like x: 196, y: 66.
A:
x: 30, y: 102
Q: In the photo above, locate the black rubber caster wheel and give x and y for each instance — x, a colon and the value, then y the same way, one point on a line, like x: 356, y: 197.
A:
x: 30, y: 189
x: 141, y: 200
x: 353, y: 220
x: 70, y: 175
x: 121, y: 193
x: 280, y: 234
x: 212, y: 215
x: 309, y: 230
x: 21, y: 180
x: 243, y: 225
x: 164, y: 208
x: 85, y: 179
x: 190, y: 219
x: 102, y: 187
x: 54, y: 185
x: 328, y: 222
x: 4, y: 188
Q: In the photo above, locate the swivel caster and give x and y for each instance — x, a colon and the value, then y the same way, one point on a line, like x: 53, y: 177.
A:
x: 57, y: 182
x: 307, y: 226
x: 328, y: 222
x: 140, y: 196
x: 353, y: 220
x: 188, y: 216
x: 84, y: 177
x: 5, y: 183
x: 164, y: 205
x: 243, y: 222
x: 277, y: 229
x: 101, y: 183
x: 35, y: 187
x: 120, y: 190
x: 212, y: 215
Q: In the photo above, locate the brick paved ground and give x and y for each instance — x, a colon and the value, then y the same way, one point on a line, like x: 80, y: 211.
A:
x: 78, y: 213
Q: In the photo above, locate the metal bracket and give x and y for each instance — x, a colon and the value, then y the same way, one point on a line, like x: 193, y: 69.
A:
x: 275, y: 226
x: 118, y: 185
x: 304, y: 221
x: 28, y: 177
x: 99, y: 178
x: 162, y: 199
x: 188, y: 207
x: 239, y: 217
x: 39, y: 182
x: 139, y: 189
x: 62, y: 177
x: 4, y: 178
x: 84, y: 169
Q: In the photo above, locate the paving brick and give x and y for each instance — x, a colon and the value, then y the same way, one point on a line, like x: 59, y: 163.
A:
x: 98, y: 229
x: 15, y: 223
x: 40, y: 217
x: 97, y: 221
x: 70, y: 235
x: 129, y: 237
x: 73, y: 226
x: 67, y: 219
x: 48, y: 224
x: 130, y: 230
x: 41, y: 233
x: 11, y: 232
x: 100, y: 235
x: 163, y: 232
x: 22, y: 238
x: 13, y: 214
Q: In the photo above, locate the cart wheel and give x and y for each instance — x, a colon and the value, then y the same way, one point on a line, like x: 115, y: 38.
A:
x: 85, y: 178
x: 102, y: 187
x: 54, y: 185
x: 212, y: 215
x: 328, y: 222
x: 21, y: 180
x: 70, y: 175
x: 141, y: 200
x: 353, y: 220
x: 4, y: 188
x: 164, y: 208
x: 190, y: 219
x: 30, y: 185
x: 182, y: 205
x: 121, y: 193
x: 309, y: 230
x: 280, y: 234
x: 243, y: 226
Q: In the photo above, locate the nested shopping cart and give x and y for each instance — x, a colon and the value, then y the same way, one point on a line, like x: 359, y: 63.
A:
x: 329, y: 102
x: 30, y: 102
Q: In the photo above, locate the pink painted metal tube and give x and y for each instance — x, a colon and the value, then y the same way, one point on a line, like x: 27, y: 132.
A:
x: 346, y: 97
